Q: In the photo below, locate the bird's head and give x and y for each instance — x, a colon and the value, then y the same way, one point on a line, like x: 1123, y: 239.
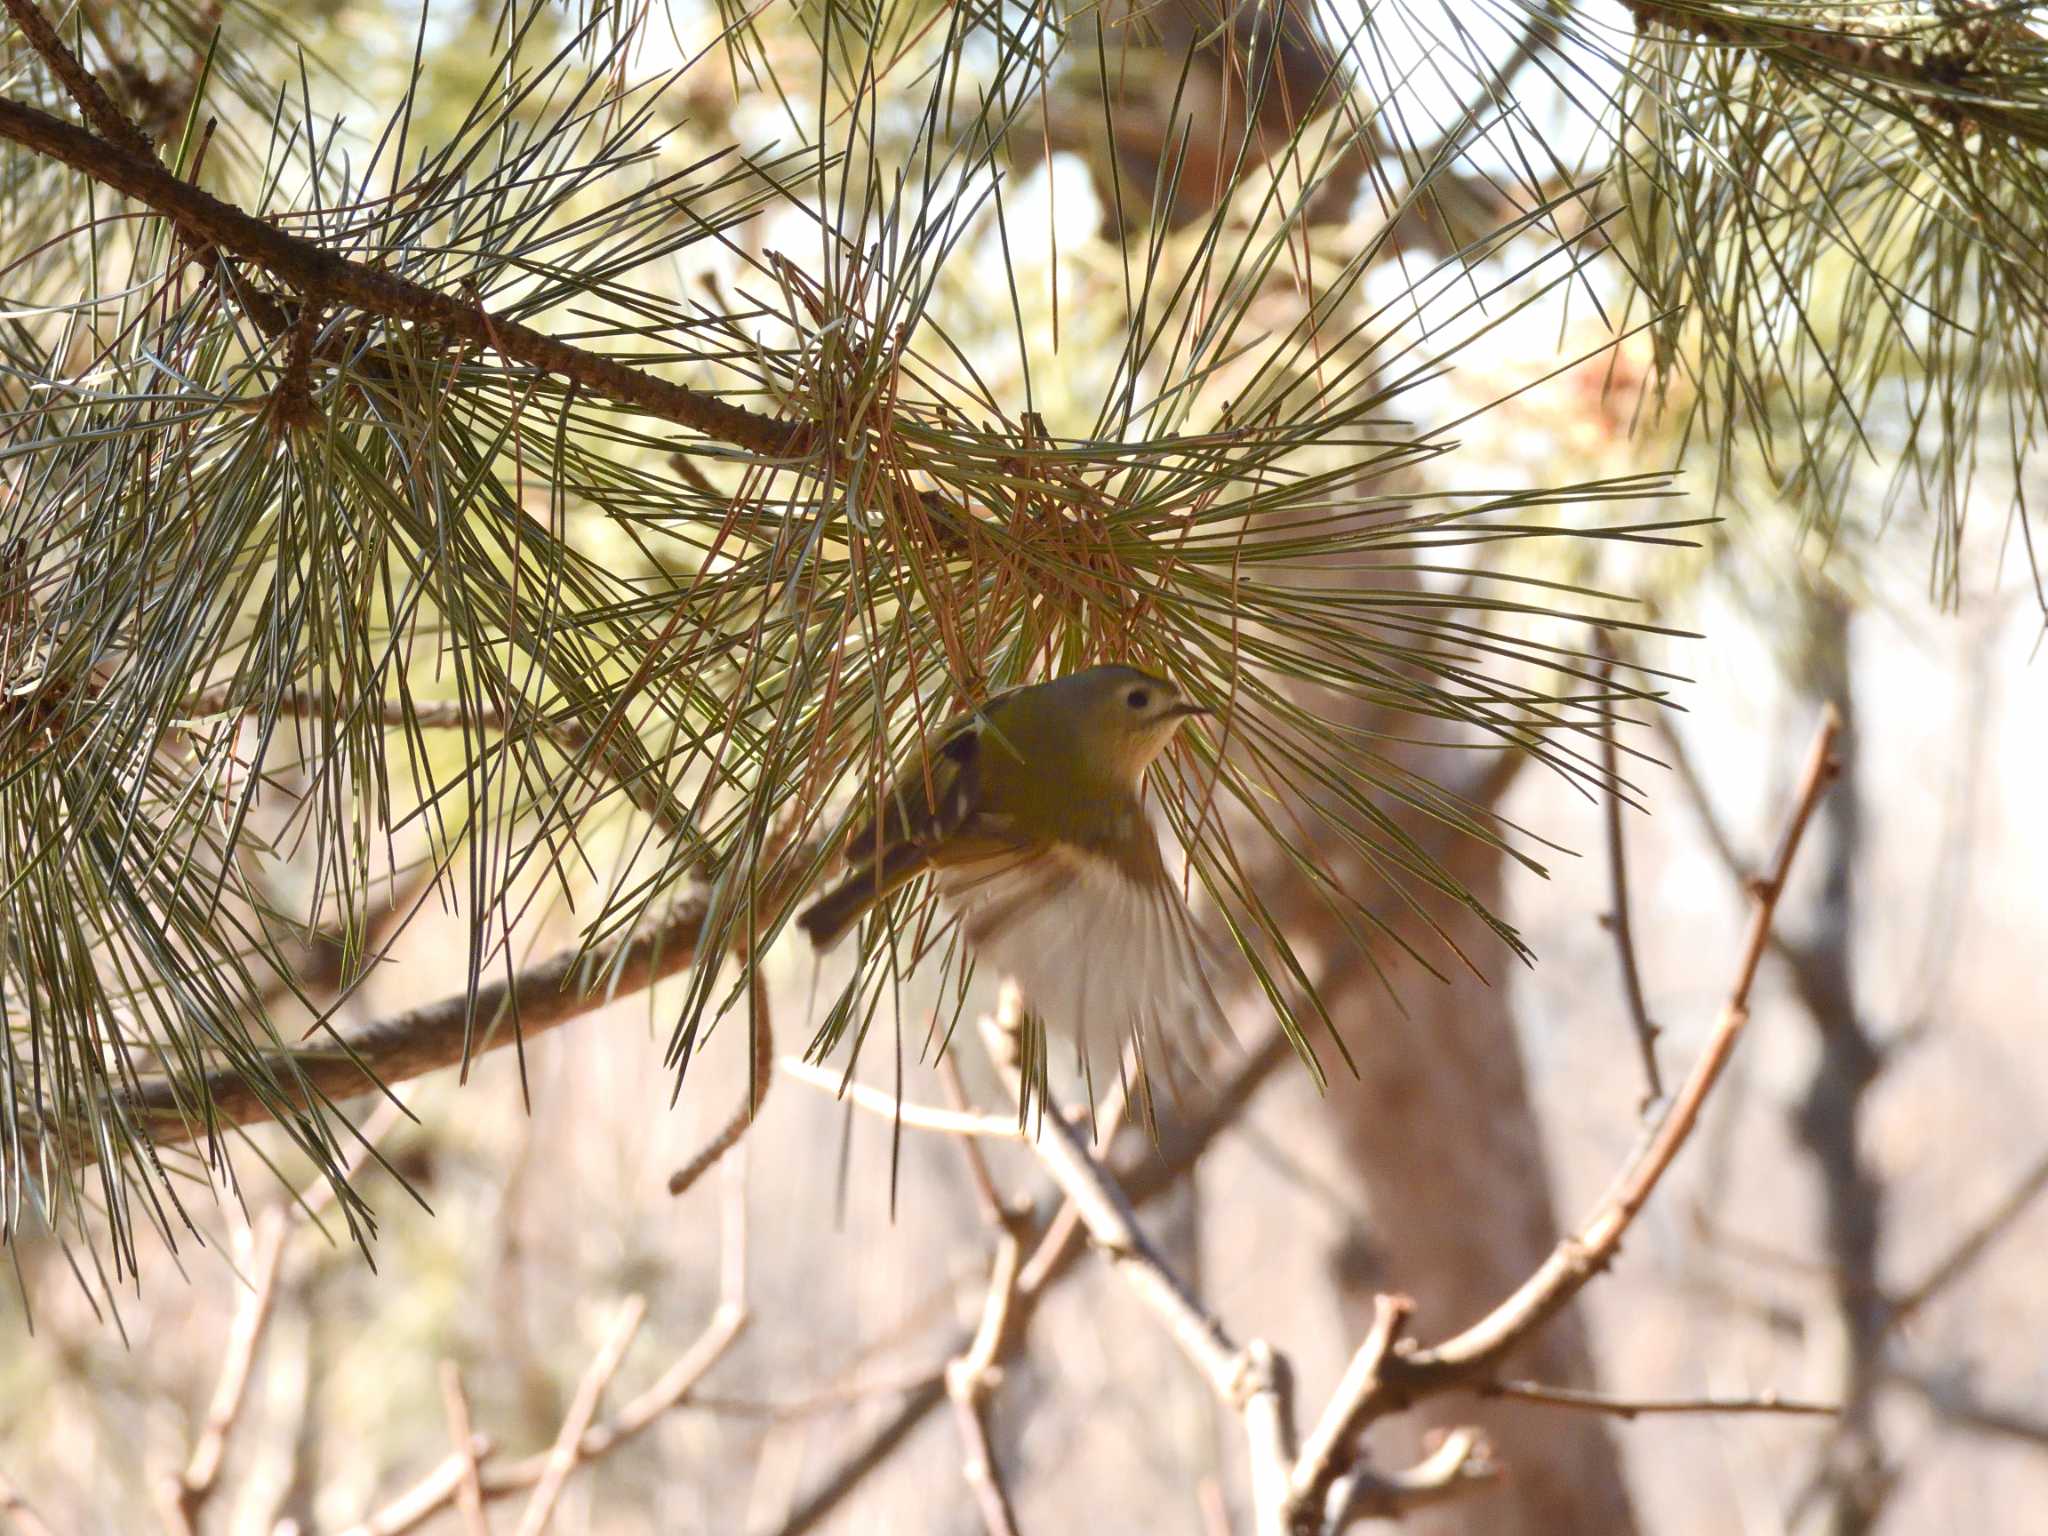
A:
x: 1123, y: 718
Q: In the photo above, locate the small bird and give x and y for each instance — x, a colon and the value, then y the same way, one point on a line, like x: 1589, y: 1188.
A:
x: 1028, y: 812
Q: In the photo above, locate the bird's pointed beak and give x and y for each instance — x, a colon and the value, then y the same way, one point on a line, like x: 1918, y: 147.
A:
x: 1181, y: 711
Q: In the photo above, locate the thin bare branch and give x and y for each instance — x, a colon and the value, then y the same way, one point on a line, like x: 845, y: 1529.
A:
x: 1114, y: 1227
x: 973, y: 1374
x: 879, y: 1101
x: 825, y: 1399
x: 1462, y: 1463
x: 1629, y: 1408
x: 1577, y: 1259
x: 427, y: 1497
x: 442, y: 1486
x: 567, y: 1451
x: 1242, y: 1379
x: 852, y: 1469
x: 469, y: 1495
x: 1971, y: 1246
x: 1617, y: 920
x: 987, y: 1198
x: 1051, y: 1260
x: 1328, y: 1450
x: 760, y: 1072
x: 1963, y: 1408
x: 259, y: 1250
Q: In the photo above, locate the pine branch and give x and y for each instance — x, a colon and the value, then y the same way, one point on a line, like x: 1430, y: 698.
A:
x: 320, y: 275
x: 404, y: 1045
x: 1948, y: 83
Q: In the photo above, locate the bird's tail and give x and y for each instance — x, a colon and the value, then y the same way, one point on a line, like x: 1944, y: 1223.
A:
x: 827, y: 919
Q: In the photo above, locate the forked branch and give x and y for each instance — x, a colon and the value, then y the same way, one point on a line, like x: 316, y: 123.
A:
x: 1328, y: 1483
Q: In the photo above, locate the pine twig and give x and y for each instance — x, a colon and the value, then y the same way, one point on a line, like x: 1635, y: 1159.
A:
x: 312, y: 269
x: 760, y: 1073
x: 408, y: 1044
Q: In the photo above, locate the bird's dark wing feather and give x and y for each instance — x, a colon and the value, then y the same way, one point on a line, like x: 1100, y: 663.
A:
x: 932, y: 795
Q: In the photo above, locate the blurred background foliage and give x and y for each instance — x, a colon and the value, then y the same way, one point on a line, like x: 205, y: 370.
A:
x: 1354, y: 367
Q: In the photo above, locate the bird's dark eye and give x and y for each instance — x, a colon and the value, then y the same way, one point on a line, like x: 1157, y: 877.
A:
x: 1137, y: 698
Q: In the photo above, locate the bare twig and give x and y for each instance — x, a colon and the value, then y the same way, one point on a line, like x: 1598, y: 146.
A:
x: 987, y: 1198
x: 568, y: 1447
x: 440, y: 1488
x: 670, y: 1389
x: 760, y: 1072
x: 1474, y: 1352
x: 1051, y: 1260
x: 847, y: 1474
x: 824, y: 1399
x: 259, y: 1248
x: 1327, y: 1451
x: 1463, y: 1462
x: 469, y: 1494
x: 1113, y: 1225
x: 1246, y: 1380
x: 879, y: 1101
x: 970, y: 1377
x: 259, y: 1258
x: 973, y: 1374
x: 1971, y: 1247
x: 1060, y: 1243
x: 1629, y: 1408
x: 1617, y: 921
x: 1961, y: 1407
x: 427, y: 1497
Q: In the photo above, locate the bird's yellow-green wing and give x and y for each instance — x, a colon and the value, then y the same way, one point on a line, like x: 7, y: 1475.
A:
x: 931, y: 793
